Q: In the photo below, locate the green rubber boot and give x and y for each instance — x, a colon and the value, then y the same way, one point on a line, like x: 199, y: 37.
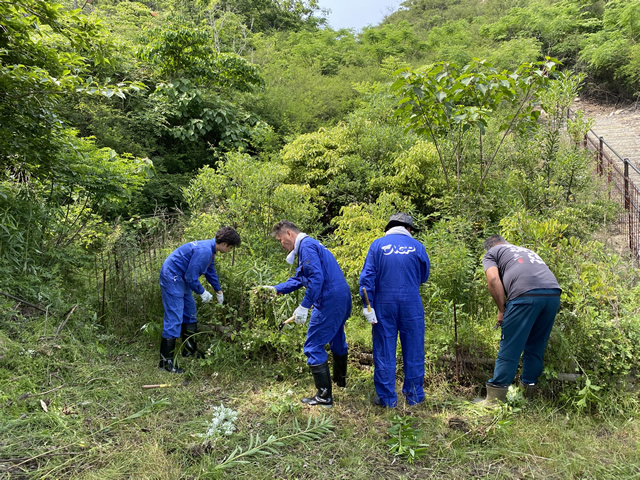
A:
x: 528, y: 390
x: 495, y: 394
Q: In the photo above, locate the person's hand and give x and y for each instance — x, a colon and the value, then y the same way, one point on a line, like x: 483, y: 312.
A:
x: 270, y: 287
x: 499, y: 320
x: 300, y: 315
x: 370, y: 315
x: 220, y: 297
x: 206, y: 297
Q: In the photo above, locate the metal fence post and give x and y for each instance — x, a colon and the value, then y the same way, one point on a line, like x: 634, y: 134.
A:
x: 601, y: 156
x: 627, y: 202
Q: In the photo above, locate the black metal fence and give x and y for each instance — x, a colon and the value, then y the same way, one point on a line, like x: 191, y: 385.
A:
x: 126, y: 276
x: 623, y: 178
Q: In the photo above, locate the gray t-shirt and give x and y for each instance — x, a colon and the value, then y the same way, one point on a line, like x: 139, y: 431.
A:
x: 520, y: 269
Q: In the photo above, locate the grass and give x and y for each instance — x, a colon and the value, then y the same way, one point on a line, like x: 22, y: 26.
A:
x: 100, y: 424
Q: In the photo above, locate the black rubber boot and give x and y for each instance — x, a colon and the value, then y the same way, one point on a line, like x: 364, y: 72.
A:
x: 322, y: 379
x: 167, y: 347
x: 340, y: 370
x: 189, y: 345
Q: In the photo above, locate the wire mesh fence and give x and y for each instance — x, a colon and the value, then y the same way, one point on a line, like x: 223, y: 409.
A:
x: 126, y: 275
x: 623, y: 178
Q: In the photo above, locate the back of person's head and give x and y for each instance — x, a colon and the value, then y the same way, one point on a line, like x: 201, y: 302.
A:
x: 492, y: 241
x: 283, y: 225
x: 229, y: 236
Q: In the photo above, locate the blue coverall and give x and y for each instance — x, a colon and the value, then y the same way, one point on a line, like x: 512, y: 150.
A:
x: 179, y: 277
x: 393, y: 270
x: 328, y: 292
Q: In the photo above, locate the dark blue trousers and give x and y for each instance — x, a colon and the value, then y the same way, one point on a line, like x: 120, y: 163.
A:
x: 179, y: 306
x: 407, y: 322
x: 526, y: 327
x: 327, y: 326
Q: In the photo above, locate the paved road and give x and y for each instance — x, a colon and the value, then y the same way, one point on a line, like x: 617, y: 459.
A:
x: 620, y: 127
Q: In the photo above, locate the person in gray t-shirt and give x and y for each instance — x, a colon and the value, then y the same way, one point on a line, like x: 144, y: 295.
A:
x: 527, y: 295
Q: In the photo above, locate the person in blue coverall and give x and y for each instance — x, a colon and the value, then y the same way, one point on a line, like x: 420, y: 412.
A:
x: 527, y: 295
x: 179, y: 277
x: 394, y: 268
x: 328, y: 292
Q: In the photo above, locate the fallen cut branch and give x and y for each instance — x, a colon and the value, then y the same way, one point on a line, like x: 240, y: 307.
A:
x: 65, y: 321
x: 473, y: 360
x: 24, y: 301
x: 24, y: 459
x: 563, y: 377
x: 569, y: 377
x: 29, y: 394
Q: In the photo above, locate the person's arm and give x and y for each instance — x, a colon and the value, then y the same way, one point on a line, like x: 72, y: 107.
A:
x: 212, y: 276
x: 496, y: 289
x: 310, y: 262
x: 425, y: 267
x: 197, y: 264
x: 292, y: 284
x: 368, y: 277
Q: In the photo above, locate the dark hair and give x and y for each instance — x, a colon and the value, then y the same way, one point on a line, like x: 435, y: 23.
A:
x: 283, y: 225
x: 492, y: 241
x: 228, y: 235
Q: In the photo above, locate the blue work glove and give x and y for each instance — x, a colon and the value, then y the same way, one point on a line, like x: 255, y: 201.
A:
x: 300, y: 315
x: 206, y: 297
x: 370, y: 315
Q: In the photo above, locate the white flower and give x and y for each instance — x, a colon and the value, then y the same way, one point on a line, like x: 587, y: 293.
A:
x: 222, y: 422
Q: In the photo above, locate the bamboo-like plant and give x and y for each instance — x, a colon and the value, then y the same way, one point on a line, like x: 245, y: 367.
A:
x: 316, y: 428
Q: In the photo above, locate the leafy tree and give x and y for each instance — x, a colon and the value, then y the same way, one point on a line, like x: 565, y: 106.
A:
x: 54, y: 185
x: 193, y: 114
x: 444, y: 103
x: 613, y: 53
x: 347, y: 163
x: 453, y: 42
x: 309, y: 78
x: 258, y: 15
x: 275, y: 15
x: 46, y: 53
x: 426, y: 14
x: 389, y: 40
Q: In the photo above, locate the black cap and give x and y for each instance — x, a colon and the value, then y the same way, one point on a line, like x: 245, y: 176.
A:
x: 400, y: 220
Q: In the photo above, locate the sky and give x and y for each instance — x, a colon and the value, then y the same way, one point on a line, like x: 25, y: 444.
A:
x: 358, y: 13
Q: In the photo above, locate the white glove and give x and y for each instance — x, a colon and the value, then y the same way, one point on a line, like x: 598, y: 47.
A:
x: 270, y: 287
x: 220, y: 297
x: 206, y: 297
x: 370, y: 315
x: 300, y: 315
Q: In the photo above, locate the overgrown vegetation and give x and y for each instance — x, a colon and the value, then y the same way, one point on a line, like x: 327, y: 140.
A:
x: 132, y: 127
